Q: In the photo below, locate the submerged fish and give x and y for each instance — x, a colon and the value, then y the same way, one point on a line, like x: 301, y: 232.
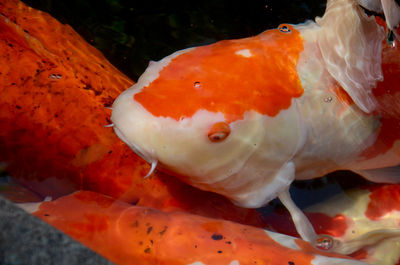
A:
x: 365, y: 220
x: 371, y: 218
x: 128, y: 234
x: 244, y: 118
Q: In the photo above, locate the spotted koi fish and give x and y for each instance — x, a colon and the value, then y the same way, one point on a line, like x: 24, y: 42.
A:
x: 244, y: 118
x: 128, y: 234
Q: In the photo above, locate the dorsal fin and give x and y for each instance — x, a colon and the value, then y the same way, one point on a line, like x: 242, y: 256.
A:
x: 351, y: 46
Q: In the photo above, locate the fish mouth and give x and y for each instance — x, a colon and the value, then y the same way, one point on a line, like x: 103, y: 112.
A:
x: 149, y: 158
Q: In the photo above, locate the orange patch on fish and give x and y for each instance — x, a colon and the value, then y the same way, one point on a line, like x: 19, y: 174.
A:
x: 231, y: 77
x: 383, y: 200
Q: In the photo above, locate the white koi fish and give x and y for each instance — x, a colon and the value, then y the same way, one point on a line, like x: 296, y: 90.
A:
x: 244, y: 118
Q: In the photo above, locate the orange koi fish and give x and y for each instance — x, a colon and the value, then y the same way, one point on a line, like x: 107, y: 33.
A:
x: 128, y: 234
x: 55, y: 89
x: 244, y: 118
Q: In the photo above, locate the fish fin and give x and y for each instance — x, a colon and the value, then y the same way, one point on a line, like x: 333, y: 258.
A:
x: 370, y: 238
x: 300, y: 220
x: 32, y: 207
x: 392, y: 13
x: 351, y: 50
x: 371, y: 5
x: 382, y: 175
x: 389, y: 8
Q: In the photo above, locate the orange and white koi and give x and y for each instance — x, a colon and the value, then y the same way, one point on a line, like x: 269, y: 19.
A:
x: 244, y: 118
x: 366, y: 220
x: 371, y: 222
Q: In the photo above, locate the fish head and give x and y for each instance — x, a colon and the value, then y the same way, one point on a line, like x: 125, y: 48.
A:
x: 221, y: 117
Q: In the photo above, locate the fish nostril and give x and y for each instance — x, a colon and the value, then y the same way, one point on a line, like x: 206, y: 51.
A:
x: 219, y: 132
x: 284, y: 29
x: 197, y: 84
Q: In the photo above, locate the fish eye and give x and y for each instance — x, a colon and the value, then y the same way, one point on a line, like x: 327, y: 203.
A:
x: 219, y: 132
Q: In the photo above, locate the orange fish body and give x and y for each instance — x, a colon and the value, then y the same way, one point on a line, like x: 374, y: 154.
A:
x: 244, y: 118
x: 128, y: 234
x: 55, y: 89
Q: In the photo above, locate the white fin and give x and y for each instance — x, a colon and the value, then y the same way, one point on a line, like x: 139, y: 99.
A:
x: 351, y: 47
x: 382, y: 175
x: 372, y: 5
x: 303, y: 225
x: 368, y: 239
x: 32, y: 207
x: 109, y: 125
x: 392, y: 13
x: 389, y: 8
x: 153, y: 167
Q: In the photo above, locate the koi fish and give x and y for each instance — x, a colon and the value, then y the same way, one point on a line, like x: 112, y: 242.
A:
x: 128, y: 234
x: 366, y: 220
x: 244, y: 118
x: 56, y: 87
x: 371, y: 218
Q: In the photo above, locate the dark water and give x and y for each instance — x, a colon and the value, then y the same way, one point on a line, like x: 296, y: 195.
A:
x: 131, y: 33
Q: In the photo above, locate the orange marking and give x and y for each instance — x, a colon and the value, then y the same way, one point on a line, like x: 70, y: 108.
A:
x: 218, y: 79
x: 383, y: 200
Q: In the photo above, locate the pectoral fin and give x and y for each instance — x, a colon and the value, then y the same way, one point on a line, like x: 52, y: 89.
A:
x: 303, y: 225
x: 382, y: 175
x: 389, y: 8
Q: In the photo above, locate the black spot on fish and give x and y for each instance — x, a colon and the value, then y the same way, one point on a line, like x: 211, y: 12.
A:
x: 147, y: 250
x: 135, y: 224
x: 162, y: 232
x: 149, y: 229
x: 217, y: 237
x: 291, y: 263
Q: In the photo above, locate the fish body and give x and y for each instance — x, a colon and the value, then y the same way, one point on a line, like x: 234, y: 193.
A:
x: 295, y: 102
x: 142, y: 235
x: 366, y: 221
x: 244, y: 118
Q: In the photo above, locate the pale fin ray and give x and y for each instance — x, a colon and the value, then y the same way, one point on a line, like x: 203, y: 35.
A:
x: 382, y: 175
x: 300, y: 220
x: 352, y: 50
